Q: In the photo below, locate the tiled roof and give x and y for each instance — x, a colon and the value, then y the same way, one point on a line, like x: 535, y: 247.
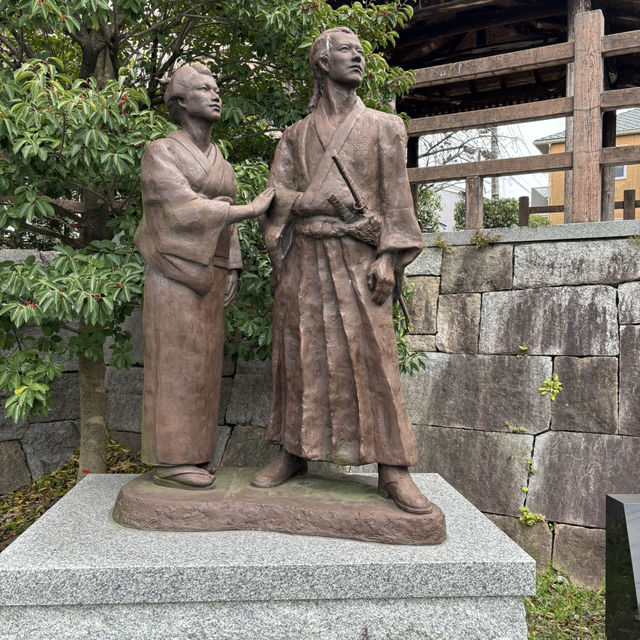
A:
x: 626, y: 122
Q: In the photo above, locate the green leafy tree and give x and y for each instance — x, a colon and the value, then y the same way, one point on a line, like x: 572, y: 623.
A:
x: 429, y: 209
x: 73, y: 126
x: 498, y: 212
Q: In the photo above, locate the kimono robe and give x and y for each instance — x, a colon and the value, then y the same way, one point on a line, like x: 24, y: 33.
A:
x: 336, y: 384
x: 188, y: 249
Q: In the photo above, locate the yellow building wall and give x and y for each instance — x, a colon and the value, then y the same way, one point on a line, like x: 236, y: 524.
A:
x: 632, y: 180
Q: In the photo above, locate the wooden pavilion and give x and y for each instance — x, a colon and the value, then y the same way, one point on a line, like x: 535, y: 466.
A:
x: 485, y: 63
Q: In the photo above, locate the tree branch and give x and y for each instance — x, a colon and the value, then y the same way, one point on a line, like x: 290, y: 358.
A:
x: 49, y: 233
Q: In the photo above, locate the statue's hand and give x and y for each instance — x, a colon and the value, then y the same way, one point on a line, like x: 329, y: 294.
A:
x: 381, y: 277
x: 263, y: 201
x: 254, y: 209
x: 231, y: 287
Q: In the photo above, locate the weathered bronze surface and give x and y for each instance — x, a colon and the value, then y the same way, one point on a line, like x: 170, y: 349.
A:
x: 329, y: 505
x: 190, y: 243
x: 340, y: 232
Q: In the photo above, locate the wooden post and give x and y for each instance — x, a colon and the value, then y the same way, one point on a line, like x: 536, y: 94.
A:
x: 629, y: 207
x: 413, y: 145
x: 587, y: 118
x: 574, y: 7
x: 474, y: 203
x: 608, y: 203
x: 523, y: 211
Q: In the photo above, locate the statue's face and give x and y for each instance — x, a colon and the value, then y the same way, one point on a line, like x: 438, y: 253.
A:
x: 202, y: 100
x: 345, y: 64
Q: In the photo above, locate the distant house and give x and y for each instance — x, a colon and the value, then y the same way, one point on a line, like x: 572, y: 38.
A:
x: 627, y: 177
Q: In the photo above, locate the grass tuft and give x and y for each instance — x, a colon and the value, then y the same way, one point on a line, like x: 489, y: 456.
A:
x: 562, y: 611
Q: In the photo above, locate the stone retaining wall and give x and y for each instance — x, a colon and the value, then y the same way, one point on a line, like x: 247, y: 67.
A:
x: 570, y: 295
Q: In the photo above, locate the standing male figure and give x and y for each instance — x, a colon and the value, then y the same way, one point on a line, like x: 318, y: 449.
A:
x: 336, y: 384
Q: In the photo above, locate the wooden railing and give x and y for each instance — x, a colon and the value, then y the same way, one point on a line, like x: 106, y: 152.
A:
x: 628, y: 206
x: 585, y: 107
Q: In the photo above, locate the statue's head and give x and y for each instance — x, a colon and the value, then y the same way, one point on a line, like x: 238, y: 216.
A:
x: 336, y: 54
x: 192, y: 92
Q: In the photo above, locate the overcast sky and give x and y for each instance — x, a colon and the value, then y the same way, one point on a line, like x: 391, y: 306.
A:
x: 518, y: 141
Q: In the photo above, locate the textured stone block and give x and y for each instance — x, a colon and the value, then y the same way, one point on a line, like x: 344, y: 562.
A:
x: 589, y: 397
x: 469, y: 460
x: 574, y: 321
x: 65, y: 397
x: 224, y: 433
x: 629, y: 303
x: 535, y: 540
x: 250, y: 402
x: 19, y: 256
x: 428, y: 263
x: 423, y: 304
x: 228, y: 364
x: 557, y: 263
x: 47, y: 445
x: 417, y: 343
x: 14, y: 472
x: 458, y: 323
x: 248, y: 447
x: 10, y: 430
x: 479, y: 392
x: 576, y: 471
x: 629, y: 423
x: 469, y: 270
x: 581, y: 553
x: 132, y: 441
x: 226, y: 386
x: 124, y: 398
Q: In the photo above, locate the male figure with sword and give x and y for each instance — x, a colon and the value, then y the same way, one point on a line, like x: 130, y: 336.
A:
x: 340, y: 232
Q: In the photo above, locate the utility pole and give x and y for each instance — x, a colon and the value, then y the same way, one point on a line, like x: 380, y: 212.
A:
x: 495, y: 180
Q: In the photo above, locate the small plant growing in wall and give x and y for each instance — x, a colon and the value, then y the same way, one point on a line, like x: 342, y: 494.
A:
x: 483, y: 240
x: 513, y: 428
x: 439, y: 241
x: 527, y: 517
x: 551, y: 386
x: 522, y: 351
x: 635, y: 240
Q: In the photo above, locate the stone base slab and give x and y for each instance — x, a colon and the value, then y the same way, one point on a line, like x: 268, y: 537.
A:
x: 76, y: 573
x: 327, y: 504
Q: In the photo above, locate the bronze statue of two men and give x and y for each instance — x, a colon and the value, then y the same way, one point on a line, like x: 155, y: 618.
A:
x: 339, y: 225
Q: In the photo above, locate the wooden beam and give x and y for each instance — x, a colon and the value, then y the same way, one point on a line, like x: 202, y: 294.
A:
x: 620, y: 98
x: 629, y: 204
x: 555, y: 108
x: 620, y: 155
x: 621, y: 44
x: 551, y: 56
x: 474, y: 204
x: 552, y: 208
x: 502, y: 167
x: 454, y: 5
x: 587, y: 120
x: 422, y: 31
x: 523, y: 211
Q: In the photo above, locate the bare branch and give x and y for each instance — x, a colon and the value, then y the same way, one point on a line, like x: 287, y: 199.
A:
x: 49, y: 233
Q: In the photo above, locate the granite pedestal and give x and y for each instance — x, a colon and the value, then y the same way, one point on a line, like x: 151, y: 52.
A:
x: 76, y: 573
